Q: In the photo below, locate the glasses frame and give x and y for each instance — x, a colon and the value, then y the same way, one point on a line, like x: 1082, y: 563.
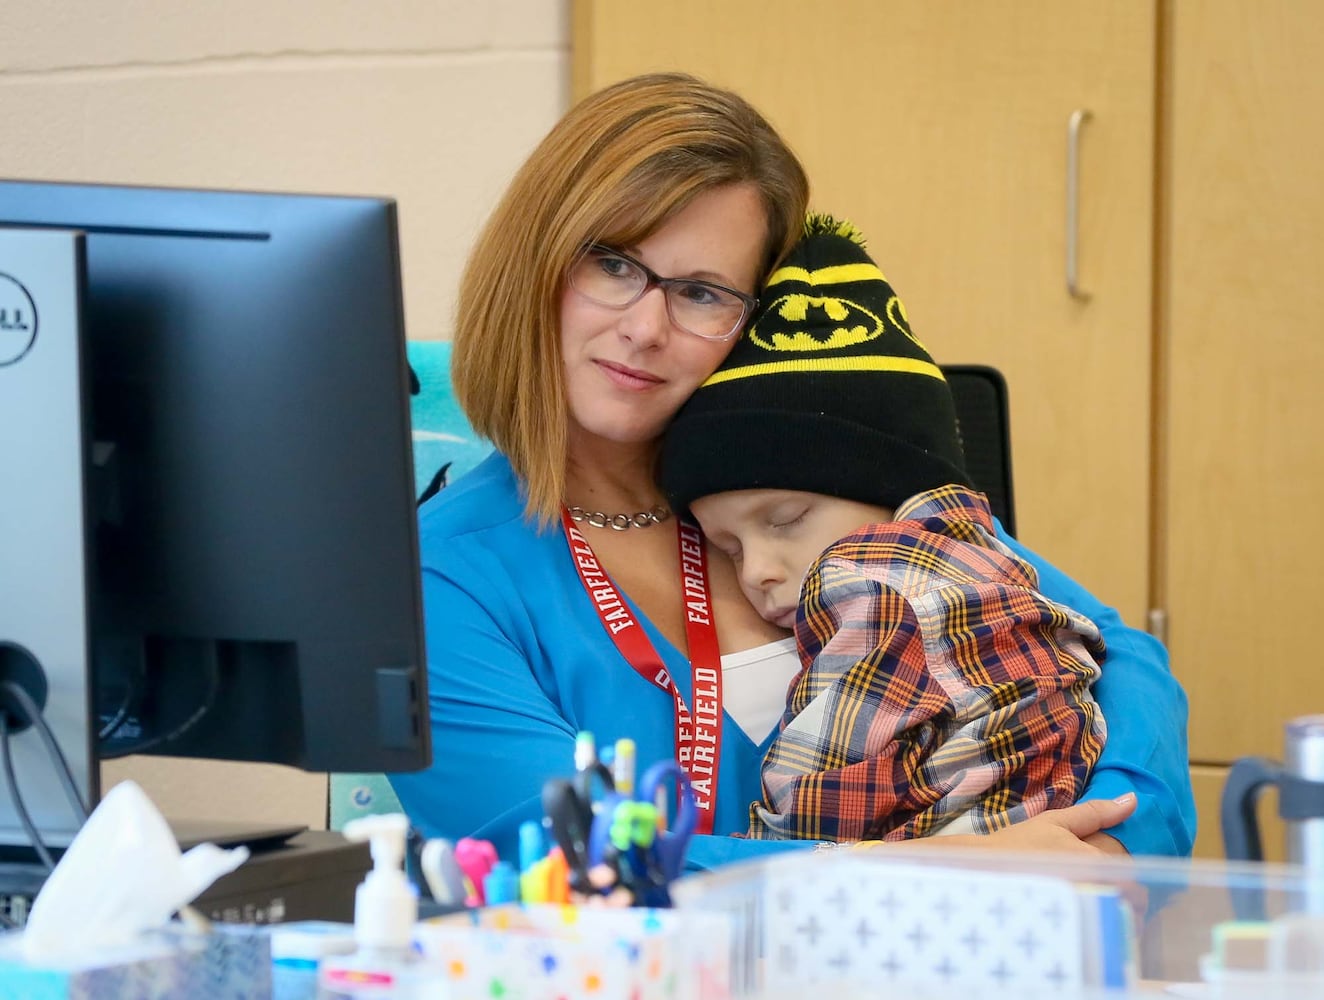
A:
x: 654, y: 280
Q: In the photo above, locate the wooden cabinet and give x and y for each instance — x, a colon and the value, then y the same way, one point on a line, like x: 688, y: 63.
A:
x: 1165, y: 429
x: 1242, y: 327
x: 951, y: 157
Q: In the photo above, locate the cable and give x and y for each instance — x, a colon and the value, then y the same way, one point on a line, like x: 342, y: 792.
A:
x: 38, y: 722
x: 213, y: 686
x: 122, y: 713
x: 15, y: 796
x: 123, y: 710
x: 132, y: 695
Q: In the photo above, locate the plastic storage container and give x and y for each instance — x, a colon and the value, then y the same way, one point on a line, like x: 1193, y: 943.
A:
x: 942, y: 924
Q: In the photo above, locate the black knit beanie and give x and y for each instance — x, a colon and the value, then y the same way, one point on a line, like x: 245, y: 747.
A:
x: 827, y: 392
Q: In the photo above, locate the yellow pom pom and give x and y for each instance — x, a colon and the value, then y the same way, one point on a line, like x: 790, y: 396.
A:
x: 822, y: 224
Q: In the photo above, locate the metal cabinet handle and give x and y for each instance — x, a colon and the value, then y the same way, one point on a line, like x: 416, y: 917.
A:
x: 1078, y: 118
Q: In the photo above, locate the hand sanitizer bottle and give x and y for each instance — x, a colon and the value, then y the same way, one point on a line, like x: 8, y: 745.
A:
x: 384, y: 964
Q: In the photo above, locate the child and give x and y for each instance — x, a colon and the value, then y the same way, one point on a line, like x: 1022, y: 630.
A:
x: 939, y: 691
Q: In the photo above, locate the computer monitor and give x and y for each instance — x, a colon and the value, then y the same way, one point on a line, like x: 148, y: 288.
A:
x: 253, y: 587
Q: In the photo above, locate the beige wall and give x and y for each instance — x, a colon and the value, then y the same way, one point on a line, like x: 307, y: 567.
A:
x: 433, y: 102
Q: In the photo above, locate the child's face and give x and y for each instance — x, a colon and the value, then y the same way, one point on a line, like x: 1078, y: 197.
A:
x: 774, y: 536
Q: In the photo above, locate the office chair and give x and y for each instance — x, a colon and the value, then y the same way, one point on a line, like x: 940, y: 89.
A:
x: 982, y: 410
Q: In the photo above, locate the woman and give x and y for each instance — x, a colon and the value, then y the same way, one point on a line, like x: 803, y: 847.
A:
x: 560, y: 595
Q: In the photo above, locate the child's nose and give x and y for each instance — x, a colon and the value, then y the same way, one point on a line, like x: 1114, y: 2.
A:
x: 759, y: 571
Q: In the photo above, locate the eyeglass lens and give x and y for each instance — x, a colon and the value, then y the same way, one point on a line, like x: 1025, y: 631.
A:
x: 613, y: 279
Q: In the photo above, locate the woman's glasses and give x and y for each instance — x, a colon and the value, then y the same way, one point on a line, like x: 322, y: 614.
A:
x: 611, y: 278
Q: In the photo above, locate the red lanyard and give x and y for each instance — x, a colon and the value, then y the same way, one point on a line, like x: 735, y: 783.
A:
x: 698, y: 736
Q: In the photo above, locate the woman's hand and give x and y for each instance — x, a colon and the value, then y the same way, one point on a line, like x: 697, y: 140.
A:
x: 1077, y: 829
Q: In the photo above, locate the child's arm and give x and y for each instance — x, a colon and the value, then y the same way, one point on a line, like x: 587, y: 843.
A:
x: 1145, y: 709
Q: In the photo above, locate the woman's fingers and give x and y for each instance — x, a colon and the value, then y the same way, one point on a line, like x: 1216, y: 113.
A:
x: 1075, y: 829
x: 1108, y: 845
x: 1085, y: 819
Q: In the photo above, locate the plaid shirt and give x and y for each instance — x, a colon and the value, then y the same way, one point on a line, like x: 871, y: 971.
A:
x: 937, y: 682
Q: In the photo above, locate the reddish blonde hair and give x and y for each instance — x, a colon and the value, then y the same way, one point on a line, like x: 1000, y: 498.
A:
x: 616, y: 168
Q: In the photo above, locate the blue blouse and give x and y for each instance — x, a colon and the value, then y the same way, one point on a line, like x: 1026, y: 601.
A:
x: 518, y: 663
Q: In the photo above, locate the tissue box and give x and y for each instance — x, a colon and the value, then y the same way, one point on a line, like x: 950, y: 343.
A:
x: 151, y: 970
x: 231, y: 961
x: 548, y: 952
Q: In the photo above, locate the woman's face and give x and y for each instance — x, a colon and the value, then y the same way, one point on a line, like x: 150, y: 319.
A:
x: 628, y: 370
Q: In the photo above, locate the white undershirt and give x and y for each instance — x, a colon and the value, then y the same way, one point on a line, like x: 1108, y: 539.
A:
x: 754, y: 683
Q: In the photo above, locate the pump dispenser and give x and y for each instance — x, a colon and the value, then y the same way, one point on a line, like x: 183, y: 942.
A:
x: 386, y: 902
x: 385, y: 909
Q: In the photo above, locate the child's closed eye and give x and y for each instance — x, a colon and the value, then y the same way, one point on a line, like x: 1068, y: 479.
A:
x: 787, y: 519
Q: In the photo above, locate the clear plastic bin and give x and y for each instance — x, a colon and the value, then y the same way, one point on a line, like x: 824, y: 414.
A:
x: 923, y: 923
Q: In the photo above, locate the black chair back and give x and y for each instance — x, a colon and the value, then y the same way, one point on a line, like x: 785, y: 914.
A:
x: 980, y: 394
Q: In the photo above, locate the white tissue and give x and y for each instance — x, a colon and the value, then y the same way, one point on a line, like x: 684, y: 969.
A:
x: 122, y: 875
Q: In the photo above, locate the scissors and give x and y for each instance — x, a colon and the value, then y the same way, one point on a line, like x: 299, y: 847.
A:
x: 626, y: 834
x: 570, y: 817
x: 621, y: 831
x: 571, y: 810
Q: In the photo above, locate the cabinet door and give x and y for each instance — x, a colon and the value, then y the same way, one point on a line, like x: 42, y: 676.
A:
x: 940, y: 128
x: 1242, y: 546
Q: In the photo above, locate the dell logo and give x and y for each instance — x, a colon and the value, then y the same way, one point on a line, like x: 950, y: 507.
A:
x: 15, y: 322
x: 18, y: 320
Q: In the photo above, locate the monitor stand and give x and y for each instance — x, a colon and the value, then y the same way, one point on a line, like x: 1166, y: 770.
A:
x: 252, y: 834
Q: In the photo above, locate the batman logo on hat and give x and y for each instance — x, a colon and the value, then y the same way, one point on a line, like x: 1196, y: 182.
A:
x: 896, y: 312
x: 799, y: 322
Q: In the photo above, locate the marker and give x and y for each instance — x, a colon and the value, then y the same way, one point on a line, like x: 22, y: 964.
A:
x: 622, y: 770
x: 532, y: 862
x: 558, y: 877
x: 535, y: 882
x: 501, y: 884
x: 532, y: 843
x: 476, y: 858
x: 586, y: 750
x: 442, y: 872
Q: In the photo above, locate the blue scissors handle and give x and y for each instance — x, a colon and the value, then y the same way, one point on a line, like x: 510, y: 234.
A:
x: 671, y: 844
